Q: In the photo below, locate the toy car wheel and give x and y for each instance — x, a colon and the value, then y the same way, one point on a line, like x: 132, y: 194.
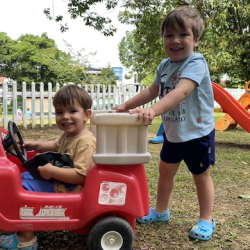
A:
x: 111, y: 233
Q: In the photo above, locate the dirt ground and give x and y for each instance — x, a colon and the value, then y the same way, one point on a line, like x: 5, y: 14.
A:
x: 39, y: 134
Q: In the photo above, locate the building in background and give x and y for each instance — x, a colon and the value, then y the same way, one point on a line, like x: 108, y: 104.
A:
x: 93, y: 71
x: 120, y: 72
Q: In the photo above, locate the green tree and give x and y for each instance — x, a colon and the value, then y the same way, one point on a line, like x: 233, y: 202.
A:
x: 37, y: 59
x: 224, y: 41
x: 148, y: 80
x: 129, y: 52
x: 82, y: 9
x: 130, y: 55
x: 105, y: 77
x: 108, y: 76
x: 25, y: 58
x: 70, y: 66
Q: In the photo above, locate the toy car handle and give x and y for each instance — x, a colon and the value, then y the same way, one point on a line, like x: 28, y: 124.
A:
x: 10, y: 142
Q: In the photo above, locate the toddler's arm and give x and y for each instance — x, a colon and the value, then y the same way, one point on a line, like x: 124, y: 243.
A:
x: 83, y: 152
x: 67, y: 175
x: 40, y: 146
x: 171, y: 100
x: 143, y: 97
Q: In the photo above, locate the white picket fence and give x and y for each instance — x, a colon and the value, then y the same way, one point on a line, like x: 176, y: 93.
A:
x: 104, y: 98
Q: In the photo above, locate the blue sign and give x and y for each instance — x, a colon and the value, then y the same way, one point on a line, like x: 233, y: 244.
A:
x: 118, y: 72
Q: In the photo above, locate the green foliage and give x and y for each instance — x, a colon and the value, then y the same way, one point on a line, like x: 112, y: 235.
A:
x: 148, y: 80
x: 234, y: 84
x: 81, y: 9
x: 105, y: 77
x: 224, y: 41
x: 130, y: 52
x: 142, y: 48
x: 147, y: 17
x: 37, y: 59
x: 128, y: 77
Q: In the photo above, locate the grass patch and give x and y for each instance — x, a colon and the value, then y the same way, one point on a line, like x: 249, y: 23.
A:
x: 231, y: 177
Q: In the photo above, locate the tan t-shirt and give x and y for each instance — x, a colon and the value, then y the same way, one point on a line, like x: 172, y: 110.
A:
x: 80, y: 148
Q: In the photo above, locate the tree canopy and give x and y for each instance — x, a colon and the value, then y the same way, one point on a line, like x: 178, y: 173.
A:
x: 37, y: 59
x: 33, y: 58
x: 105, y: 77
x: 224, y: 41
x: 130, y: 54
x: 82, y: 9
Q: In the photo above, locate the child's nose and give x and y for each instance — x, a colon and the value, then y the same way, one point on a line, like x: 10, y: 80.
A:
x: 65, y: 115
x: 176, y: 39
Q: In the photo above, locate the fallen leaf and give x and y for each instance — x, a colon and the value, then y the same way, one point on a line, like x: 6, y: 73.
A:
x: 244, y: 196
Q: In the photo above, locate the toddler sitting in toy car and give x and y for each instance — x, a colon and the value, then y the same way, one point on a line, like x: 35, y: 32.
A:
x: 73, y: 110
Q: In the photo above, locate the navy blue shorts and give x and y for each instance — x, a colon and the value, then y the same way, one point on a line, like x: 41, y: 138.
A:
x: 198, y: 154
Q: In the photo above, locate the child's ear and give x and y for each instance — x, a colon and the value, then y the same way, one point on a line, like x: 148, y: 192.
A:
x: 196, y: 41
x: 88, y: 113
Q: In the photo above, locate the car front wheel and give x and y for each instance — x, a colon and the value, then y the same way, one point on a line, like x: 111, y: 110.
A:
x: 111, y: 233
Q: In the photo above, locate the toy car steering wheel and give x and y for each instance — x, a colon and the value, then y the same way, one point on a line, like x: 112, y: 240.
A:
x: 10, y: 143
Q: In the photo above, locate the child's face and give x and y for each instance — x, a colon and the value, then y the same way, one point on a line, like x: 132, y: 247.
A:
x: 179, y: 43
x: 72, y: 119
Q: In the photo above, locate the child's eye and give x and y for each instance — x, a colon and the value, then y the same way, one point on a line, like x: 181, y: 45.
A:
x: 73, y: 111
x: 185, y: 34
x: 58, y: 112
x: 168, y: 35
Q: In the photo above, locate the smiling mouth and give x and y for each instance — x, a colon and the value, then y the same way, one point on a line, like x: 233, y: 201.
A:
x: 67, y: 124
x: 176, y: 50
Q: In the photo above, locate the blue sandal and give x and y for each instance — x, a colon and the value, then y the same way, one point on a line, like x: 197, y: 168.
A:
x: 12, y: 243
x: 203, y: 230
x: 154, y: 217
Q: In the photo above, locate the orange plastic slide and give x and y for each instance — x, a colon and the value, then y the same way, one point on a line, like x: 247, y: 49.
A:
x: 237, y: 111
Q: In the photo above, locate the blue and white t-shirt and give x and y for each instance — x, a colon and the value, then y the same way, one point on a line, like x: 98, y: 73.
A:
x: 193, y: 117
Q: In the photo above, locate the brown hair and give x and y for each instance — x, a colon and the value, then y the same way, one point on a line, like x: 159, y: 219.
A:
x: 70, y: 94
x: 183, y: 17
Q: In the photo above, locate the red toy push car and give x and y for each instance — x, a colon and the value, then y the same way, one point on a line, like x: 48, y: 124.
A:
x: 114, y: 195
